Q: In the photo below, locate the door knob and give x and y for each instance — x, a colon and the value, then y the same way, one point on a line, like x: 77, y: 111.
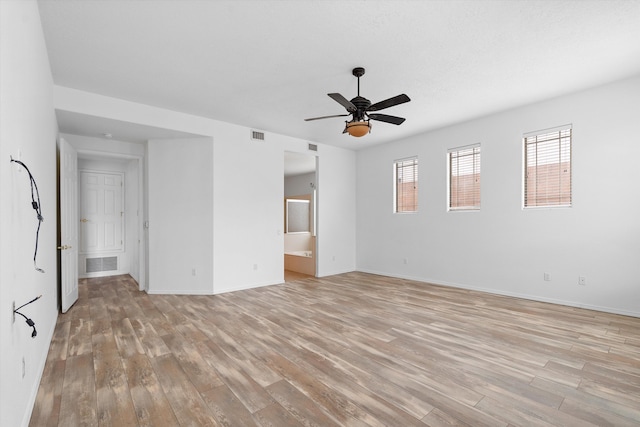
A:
x: 84, y: 220
x: 64, y: 247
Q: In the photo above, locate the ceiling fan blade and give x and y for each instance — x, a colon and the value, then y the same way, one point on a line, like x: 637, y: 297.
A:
x: 343, y: 101
x: 326, y: 117
x: 400, y: 99
x: 388, y: 119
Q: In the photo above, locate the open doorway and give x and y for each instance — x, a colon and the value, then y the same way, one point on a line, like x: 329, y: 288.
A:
x: 300, y: 219
x: 109, y: 204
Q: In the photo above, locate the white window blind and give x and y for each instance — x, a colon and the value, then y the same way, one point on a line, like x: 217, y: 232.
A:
x: 406, y: 185
x: 464, y: 178
x: 547, y: 175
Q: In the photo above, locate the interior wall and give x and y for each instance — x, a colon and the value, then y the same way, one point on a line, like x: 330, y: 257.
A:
x: 248, y: 190
x: 299, y: 184
x: 28, y: 132
x: 504, y: 248
x: 180, y: 216
x: 336, y: 196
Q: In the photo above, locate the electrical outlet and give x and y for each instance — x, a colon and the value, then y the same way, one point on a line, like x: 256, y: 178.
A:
x: 547, y: 277
x: 255, y: 266
x: 582, y: 281
x: 404, y: 261
x: 13, y: 312
x: 194, y: 272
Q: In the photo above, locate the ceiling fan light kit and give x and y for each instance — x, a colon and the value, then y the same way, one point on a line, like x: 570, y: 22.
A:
x: 359, y: 108
x: 358, y: 129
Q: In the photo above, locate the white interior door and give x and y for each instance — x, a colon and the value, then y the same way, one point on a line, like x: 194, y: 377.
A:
x: 102, y: 212
x: 68, y: 244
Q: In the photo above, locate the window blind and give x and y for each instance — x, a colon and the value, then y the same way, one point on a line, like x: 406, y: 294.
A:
x: 406, y: 190
x: 547, y: 180
x: 464, y: 177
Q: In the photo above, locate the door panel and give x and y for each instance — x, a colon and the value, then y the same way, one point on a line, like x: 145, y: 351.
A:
x: 68, y: 245
x: 102, y: 212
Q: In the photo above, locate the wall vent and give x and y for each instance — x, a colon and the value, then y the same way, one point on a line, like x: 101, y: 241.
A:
x: 95, y: 265
x: 313, y: 147
x: 257, y: 136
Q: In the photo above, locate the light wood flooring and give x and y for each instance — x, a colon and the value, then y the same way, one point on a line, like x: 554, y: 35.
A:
x: 347, y: 350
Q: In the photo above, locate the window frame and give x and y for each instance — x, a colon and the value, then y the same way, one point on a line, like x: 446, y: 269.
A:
x: 396, y: 164
x: 474, y: 154
x: 525, y: 168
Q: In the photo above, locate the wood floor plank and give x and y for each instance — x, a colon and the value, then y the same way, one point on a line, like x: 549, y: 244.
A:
x: 79, y: 337
x: 243, y: 358
x: 246, y: 388
x: 49, y: 394
x: 114, y: 403
x: 353, y: 349
x: 187, y: 404
x: 303, y: 409
x: 275, y: 415
x: 102, y: 338
x: 226, y: 408
x: 98, y: 309
x: 78, y: 400
x: 149, y: 338
x: 149, y: 400
x: 59, y: 346
x: 126, y: 338
x: 202, y: 375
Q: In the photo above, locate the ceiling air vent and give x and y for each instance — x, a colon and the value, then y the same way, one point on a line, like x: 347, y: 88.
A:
x: 257, y: 136
x: 313, y: 147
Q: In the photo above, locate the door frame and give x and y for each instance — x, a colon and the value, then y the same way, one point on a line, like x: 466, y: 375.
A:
x: 141, y: 208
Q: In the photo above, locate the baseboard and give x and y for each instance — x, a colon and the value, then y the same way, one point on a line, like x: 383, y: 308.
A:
x: 217, y: 291
x: 604, y: 309
x: 179, y: 292
x: 334, y: 273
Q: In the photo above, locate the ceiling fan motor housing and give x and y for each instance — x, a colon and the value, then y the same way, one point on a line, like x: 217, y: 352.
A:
x: 361, y: 104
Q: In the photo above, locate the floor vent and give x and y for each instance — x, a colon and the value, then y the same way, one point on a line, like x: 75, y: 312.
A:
x: 257, y: 136
x: 313, y: 147
x: 95, y: 265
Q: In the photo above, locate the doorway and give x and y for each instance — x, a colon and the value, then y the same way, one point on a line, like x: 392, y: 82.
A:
x: 102, y: 217
x: 110, y: 209
x: 300, y: 215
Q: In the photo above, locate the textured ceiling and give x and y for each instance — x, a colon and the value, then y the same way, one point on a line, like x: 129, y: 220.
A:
x: 270, y: 64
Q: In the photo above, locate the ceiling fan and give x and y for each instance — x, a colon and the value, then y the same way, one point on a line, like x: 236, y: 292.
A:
x: 360, y: 107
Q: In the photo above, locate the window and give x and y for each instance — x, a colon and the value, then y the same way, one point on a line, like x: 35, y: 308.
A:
x: 547, y: 174
x: 406, y: 186
x: 464, y: 178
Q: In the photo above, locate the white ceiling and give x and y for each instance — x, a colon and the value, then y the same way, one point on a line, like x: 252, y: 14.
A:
x: 269, y: 64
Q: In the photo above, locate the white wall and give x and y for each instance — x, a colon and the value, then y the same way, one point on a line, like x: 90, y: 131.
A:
x: 27, y: 130
x: 248, y: 188
x: 299, y: 185
x: 503, y: 248
x: 180, y: 193
x: 336, y: 211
